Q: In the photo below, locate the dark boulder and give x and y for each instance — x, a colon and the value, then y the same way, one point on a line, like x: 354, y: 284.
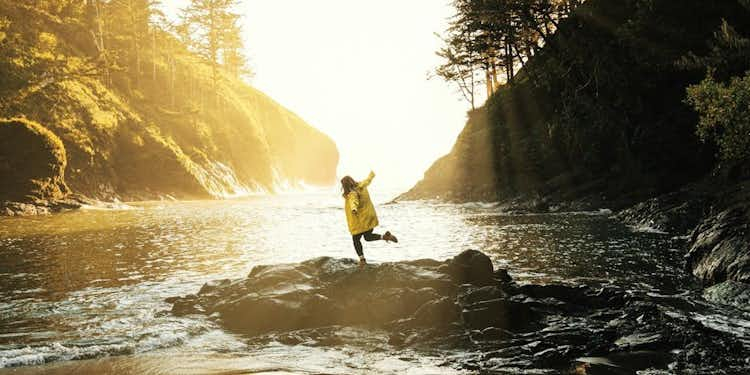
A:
x: 470, y: 294
x: 472, y: 267
x: 500, y: 313
x: 502, y: 275
x: 437, y: 313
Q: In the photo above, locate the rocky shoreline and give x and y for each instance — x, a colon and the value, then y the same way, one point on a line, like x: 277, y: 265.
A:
x: 712, y: 215
x: 43, y: 206
x: 465, y: 304
x: 715, y: 218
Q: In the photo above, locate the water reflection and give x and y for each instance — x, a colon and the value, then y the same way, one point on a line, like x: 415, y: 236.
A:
x: 92, y: 283
x: 583, y: 248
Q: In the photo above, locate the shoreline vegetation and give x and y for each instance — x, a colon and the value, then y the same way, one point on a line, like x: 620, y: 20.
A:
x: 139, y: 107
x: 636, y: 106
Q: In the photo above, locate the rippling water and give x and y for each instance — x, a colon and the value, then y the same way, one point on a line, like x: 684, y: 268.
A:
x: 92, y: 283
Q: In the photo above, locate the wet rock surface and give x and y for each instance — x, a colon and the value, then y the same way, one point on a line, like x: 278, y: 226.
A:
x: 720, y: 246
x: 43, y: 206
x: 462, y: 305
x: 715, y: 216
x: 675, y: 213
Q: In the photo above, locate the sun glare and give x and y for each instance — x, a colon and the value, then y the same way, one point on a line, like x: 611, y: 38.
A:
x: 358, y: 71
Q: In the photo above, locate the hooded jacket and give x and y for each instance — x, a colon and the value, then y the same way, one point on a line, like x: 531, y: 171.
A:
x: 360, y: 212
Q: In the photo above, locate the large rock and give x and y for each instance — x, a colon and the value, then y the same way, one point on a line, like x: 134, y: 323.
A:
x: 32, y: 162
x: 325, y: 291
x: 473, y: 267
x: 716, y: 213
x: 426, y: 305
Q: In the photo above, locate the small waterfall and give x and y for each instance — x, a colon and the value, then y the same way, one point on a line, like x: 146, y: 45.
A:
x: 221, y: 182
x: 281, y: 183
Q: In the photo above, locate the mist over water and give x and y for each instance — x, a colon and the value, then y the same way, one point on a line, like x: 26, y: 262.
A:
x: 92, y: 283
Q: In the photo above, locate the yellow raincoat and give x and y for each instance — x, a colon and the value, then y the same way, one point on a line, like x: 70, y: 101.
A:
x: 360, y: 213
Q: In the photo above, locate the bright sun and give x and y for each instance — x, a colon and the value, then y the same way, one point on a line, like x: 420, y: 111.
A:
x: 358, y: 71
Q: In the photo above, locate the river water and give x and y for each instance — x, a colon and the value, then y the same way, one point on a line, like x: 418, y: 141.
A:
x: 91, y: 284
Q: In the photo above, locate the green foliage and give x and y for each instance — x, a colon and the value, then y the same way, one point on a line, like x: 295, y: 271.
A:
x: 49, y: 141
x: 32, y: 161
x: 724, y: 115
x: 728, y: 56
x: 491, y: 37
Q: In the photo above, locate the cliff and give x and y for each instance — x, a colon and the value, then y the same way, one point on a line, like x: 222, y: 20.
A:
x: 164, y: 130
x: 600, y: 118
x: 597, y: 115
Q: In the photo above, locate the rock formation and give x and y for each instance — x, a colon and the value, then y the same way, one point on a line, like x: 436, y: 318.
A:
x: 463, y: 303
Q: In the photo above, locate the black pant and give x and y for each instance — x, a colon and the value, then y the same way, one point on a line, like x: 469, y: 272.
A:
x: 369, y: 236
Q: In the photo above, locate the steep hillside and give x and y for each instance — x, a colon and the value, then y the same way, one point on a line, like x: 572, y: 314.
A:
x: 158, y: 132
x: 597, y: 115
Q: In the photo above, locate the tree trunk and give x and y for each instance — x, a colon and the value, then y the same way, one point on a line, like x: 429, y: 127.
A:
x: 135, y: 45
x: 488, y: 81
x: 100, y: 41
x: 153, y: 53
x: 495, y: 81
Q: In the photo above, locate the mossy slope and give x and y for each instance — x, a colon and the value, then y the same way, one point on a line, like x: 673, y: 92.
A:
x: 32, y: 162
x: 160, y: 132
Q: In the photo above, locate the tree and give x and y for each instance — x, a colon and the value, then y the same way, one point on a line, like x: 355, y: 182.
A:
x: 131, y: 22
x: 722, y: 99
x: 95, y: 18
x: 233, y: 59
x: 213, y: 23
x: 458, y: 69
x: 493, y: 37
x: 724, y: 115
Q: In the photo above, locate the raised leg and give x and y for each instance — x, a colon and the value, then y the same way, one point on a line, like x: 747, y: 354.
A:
x: 370, y: 236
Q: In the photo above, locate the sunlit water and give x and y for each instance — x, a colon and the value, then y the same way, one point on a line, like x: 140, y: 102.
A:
x: 92, y: 283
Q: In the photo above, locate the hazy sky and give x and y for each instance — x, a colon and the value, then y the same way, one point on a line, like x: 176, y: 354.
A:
x: 357, y: 70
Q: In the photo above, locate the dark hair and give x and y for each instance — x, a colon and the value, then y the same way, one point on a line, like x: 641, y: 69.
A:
x: 348, y: 185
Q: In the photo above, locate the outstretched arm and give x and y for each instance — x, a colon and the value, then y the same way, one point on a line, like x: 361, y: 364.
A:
x: 367, y: 180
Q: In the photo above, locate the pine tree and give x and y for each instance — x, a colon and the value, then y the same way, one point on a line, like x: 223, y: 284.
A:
x: 131, y: 21
x: 211, y: 23
x: 233, y: 59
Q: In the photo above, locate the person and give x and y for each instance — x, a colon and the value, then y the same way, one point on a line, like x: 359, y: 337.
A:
x: 360, y: 214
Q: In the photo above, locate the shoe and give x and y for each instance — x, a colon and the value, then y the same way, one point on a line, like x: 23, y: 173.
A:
x: 362, y: 263
x: 389, y: 237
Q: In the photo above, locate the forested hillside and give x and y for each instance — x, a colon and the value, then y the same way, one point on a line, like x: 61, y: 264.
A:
x: 145, y: 107
x: 590, y: 99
